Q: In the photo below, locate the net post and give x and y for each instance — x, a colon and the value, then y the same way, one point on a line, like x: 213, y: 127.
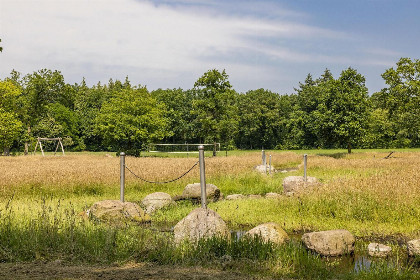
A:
x: 122, y: 175
x: 305, y: 165
x: 202, y: 177
x: 269, y: 166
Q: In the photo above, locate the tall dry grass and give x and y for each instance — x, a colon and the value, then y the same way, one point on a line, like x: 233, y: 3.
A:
x: 66, y: 172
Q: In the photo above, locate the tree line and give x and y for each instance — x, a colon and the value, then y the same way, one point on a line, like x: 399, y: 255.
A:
x: 323, y: 112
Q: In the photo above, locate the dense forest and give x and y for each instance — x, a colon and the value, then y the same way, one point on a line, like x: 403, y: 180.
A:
x: 324, y: 112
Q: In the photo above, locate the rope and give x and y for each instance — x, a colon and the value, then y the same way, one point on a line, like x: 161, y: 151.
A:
x: 165, y: 182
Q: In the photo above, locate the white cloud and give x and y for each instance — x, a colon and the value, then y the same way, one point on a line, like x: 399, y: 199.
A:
x: 153, y: 42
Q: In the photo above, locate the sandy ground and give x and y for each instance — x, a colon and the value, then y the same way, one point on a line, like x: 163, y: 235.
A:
x: 57, y: 270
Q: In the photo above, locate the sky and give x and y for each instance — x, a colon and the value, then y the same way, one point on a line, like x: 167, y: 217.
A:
x: 169, y: 44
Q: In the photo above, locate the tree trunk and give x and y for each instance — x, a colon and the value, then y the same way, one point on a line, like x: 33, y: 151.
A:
x: 349, y: 148
x: 27, y: 143
x: 6, y: 151
x: 214, y: 149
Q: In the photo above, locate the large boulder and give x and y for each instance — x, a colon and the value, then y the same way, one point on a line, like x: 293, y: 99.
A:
x: 117, y: 212
x: 413, y: 247
x: 294, y: 184
x: 269, y: 232
x: 235, y: 197
x: 200, y: 223
x: 378, y: 250
x: 193, y: 191
x: 156, y: 201
x: 330, y: 242
x: 264, y: 169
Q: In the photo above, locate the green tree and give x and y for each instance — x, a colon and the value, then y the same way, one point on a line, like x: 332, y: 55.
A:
x: 260, y: 119
x: 131, y: 119
x: 214, y: 108
x: 1, y: 48
x: 342, y: 114
x: 178, y: 105
x: 401, y: 102
x: 40, y: 90
x: 10, y: 125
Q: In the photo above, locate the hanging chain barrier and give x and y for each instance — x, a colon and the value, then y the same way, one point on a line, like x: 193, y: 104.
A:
x: 123, y: 167
x: 161, y: 182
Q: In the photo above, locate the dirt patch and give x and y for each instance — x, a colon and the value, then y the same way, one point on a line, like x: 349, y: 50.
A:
x: 57, y: 270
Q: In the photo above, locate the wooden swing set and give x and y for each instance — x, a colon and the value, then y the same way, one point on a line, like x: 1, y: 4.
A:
x: 58, y: 140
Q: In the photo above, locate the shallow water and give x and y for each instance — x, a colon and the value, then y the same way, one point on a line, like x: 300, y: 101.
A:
x: 358, y: 261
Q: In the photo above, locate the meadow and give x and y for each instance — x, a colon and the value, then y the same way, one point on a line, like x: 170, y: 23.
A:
x: 42, y: 201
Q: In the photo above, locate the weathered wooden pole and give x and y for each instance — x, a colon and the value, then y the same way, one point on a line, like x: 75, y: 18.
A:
x: 305, y: 165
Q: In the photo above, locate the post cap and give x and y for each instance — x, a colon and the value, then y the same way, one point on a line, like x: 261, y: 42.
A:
x: 122, y: 154
x: 201, y: 147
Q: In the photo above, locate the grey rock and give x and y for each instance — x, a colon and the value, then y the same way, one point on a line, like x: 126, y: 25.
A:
x: 330, y: 242
x: 413, y: 247
x: 270, y: 232
x: 200, y: 223
x: 235, y: 197
x: 156, y: 201
x: 263, y: 169
x: 378, y: 250
x: 254, y: 196
x: 294, y: 184
x: 194, y: 191
x: 117, y: 212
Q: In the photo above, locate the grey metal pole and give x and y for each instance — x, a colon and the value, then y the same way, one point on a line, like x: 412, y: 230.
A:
x: 122, y: 175
x: 305, y: 165
x: 263, y: 158
x: 202, y: 177
x: 269, y: 166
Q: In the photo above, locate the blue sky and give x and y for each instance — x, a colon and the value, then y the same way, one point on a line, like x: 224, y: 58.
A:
x: 170, y: 44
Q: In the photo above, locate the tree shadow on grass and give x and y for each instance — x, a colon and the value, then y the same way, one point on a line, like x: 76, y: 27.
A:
x: 334, y: 155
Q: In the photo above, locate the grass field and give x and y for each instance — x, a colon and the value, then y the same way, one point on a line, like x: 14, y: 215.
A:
x: 372, y: 197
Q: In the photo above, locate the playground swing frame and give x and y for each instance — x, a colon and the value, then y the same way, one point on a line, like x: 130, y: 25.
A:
x: 59, y: 143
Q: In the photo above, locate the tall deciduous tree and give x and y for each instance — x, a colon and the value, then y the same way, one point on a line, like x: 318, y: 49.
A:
x: 401, y: 102
x: 342, y: 115
x: 260, y: 119
x: 131, y: 119
x: 215, y: 108
x: 10, y: 125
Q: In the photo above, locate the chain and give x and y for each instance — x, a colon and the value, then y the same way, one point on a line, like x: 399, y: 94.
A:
x: 165, y: 182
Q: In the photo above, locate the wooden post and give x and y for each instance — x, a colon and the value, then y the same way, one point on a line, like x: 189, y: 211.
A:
x: 62, y: 148
x: 36, y: 146
x: 40, y: 145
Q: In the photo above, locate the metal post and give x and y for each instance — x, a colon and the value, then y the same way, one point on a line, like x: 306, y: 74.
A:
x: 202, y: 177
x: 122, y: 175
x: 263, y: 158
x: 269, y: 166
x: 305, y: 163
